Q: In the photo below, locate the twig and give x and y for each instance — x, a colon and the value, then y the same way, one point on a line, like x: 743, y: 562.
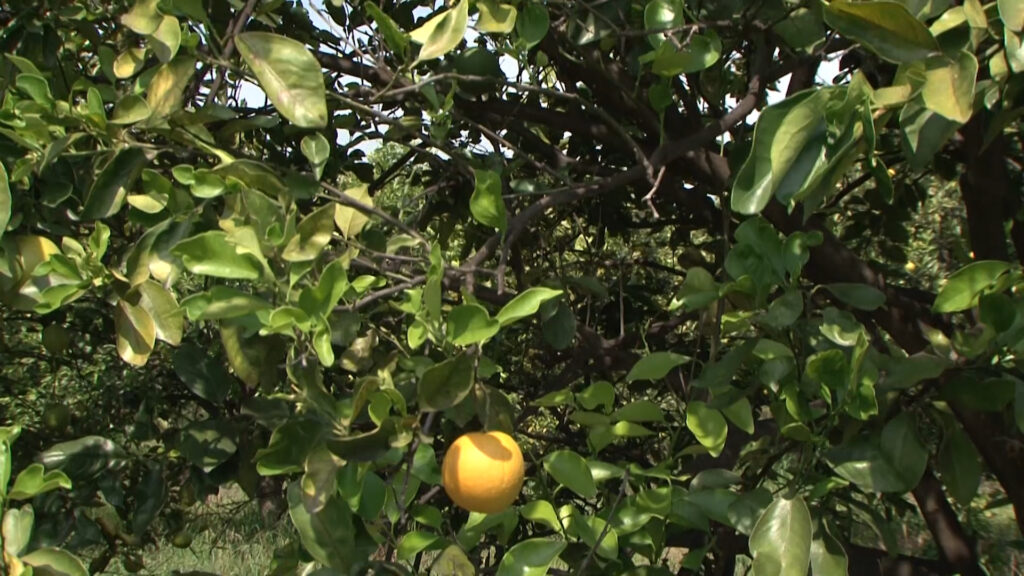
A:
x: 607, y: 525
x: 390, y: 291
x: 345, y: 200
x: 649, y: 198
x: 229, y: 48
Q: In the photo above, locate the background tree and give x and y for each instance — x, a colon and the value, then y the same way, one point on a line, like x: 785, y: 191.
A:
x: 704, y: 331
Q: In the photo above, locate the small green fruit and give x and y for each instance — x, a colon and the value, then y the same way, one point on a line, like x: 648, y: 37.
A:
x: 56, y: 339
x: 56, y: 417
x: 183, y: 539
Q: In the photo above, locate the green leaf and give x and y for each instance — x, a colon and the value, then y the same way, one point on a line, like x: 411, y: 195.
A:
x: 5, y: 201
x: 414, y: 542
x: 530, y: 557
x: 445, y: 384
x: 442, y: 33
x: 525, y: 304
x: 708, y: 425
x: 720, y: 373
x: 212, y: 254
x: 162, y: 307
x: 328, y: 535
x: 288, y: 447
x: 893, y: 463
x: 149, y: 494
x: 452, y: 562
x: 827, y: 556
x: 925, y: 132
x: 495, y: 18
x: 54, y: 561
x: 350, y: 221
x: 640, y: 411
x: 781, y: 541
x: 143, y: 18
x: 311, y: 235
x: 33, y: 481
x: 202, y: 374
x: 698, y: 291
x: 471, y: 324
x: 784, y: 310
x: 209, y: 443
x: 129, y: 63
x: 17, y: 529
x: 541, y: 512
x: 591, y: 528
x: 289, y: 74
x: 949, y: 85
x: 486, y: 204
x: 533, y: 23
x: 166, y: 39
x: 655, y: 366
x: 36, y: 87
x: 570, y: 470
x: 600, y: 393
x: 222, y: 303
x: 886, y: 28
x: 396, y: 39
x: 959, y: 465
x: 741, y: 415
x: 963, y: 288
x: 699, y: 53
x: 1012, y: 13
x: 317, y: 150
x: 859, y: 296
x: 167, y: 88
x: 85, y: 458
x: 107, y: 194
x: 136, y: 333
x: 560, y: 329
x: 661, y: 15
x: 129, y: 110
x: 902, y: 373
x: 788, y: 150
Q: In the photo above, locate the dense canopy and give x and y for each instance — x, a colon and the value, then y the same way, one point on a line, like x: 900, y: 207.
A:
x: 741, y: 277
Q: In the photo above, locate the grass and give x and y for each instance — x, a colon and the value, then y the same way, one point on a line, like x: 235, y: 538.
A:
x: 229, y: 539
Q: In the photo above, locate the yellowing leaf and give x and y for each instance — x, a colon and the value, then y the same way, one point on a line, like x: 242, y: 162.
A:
x: 313, y: 233
x: 136, y: 333
x: 289, y: 74
x: 166, y: 39
x: 495, y: 18
x: 167, y: 87
x: 442, y: 33
x: 350, y: 221
x: 129, y: 63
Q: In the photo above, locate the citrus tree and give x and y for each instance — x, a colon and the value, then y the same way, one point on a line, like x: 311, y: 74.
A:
x: 636, y: 272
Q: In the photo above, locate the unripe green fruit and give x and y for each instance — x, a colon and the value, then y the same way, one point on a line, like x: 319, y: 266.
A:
x: 183, y: 539
x: 56, y: 339
x: 56, y: 417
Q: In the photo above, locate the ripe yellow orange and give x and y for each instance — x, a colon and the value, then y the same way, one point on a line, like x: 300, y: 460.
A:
x: 483, y: 471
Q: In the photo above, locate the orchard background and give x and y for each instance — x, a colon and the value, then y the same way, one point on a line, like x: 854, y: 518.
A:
x: 741, y: 277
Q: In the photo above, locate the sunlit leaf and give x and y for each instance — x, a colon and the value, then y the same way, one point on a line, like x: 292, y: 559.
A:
x: 442, y: 33
x: 781, y: 540
x: 289, y: 74
x: 886, y: 28
x: 495, y: 17
x: 526, y: 304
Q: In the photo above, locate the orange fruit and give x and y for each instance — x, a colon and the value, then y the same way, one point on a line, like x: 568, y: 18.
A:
x: 483, y: 471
